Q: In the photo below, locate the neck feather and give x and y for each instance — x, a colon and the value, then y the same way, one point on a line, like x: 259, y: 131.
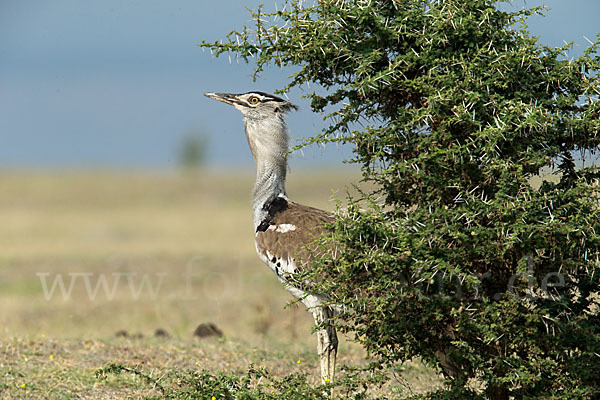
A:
x: 270, y: 182
x: 268, y: 140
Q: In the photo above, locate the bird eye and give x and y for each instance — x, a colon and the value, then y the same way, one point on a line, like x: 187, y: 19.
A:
x: 253, y: 100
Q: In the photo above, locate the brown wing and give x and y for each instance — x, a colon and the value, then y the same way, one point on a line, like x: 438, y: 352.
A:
x: 282, y: 239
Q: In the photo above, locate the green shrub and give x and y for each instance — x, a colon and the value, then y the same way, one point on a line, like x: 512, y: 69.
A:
x: 256, y: 384
x: 453, y: 108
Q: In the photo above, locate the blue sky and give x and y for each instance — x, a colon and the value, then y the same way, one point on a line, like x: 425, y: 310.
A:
x: 113, y: 83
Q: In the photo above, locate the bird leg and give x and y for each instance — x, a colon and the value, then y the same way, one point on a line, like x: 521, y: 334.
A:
x: 327, y: 342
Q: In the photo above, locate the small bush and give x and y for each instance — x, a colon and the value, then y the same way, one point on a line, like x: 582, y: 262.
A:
x: 256, y: 384
x: 193, y: 152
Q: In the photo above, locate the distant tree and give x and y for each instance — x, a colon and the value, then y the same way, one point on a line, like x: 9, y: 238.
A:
x: 193, y: 151
x: 453, y: 108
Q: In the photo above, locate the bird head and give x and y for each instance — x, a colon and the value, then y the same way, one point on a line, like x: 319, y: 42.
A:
x: 255, y: 105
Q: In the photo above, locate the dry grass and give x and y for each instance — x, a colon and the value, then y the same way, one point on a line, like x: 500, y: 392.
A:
x: 50, y: 368
x: 189, y: 236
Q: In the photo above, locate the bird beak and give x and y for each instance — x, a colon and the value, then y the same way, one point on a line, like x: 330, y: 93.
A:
x: 224, y: 97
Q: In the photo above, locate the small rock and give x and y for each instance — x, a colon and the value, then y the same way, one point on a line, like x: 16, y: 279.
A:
x: 161, y: 333
x: 207, y: 329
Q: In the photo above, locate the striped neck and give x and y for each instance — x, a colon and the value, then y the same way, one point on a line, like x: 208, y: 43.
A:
x: 270, y: 184
x: 268, y: 140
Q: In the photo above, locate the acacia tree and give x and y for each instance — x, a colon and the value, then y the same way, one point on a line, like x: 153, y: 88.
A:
x: 453, y: 109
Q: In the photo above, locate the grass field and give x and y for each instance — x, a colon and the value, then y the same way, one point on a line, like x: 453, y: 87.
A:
x: 137, y: 252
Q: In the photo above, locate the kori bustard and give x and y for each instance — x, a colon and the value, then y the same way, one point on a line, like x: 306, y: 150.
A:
x: 282, y: 228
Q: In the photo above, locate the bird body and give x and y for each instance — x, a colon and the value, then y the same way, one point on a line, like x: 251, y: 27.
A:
x: 283, y: 229
x: 281, y: 241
